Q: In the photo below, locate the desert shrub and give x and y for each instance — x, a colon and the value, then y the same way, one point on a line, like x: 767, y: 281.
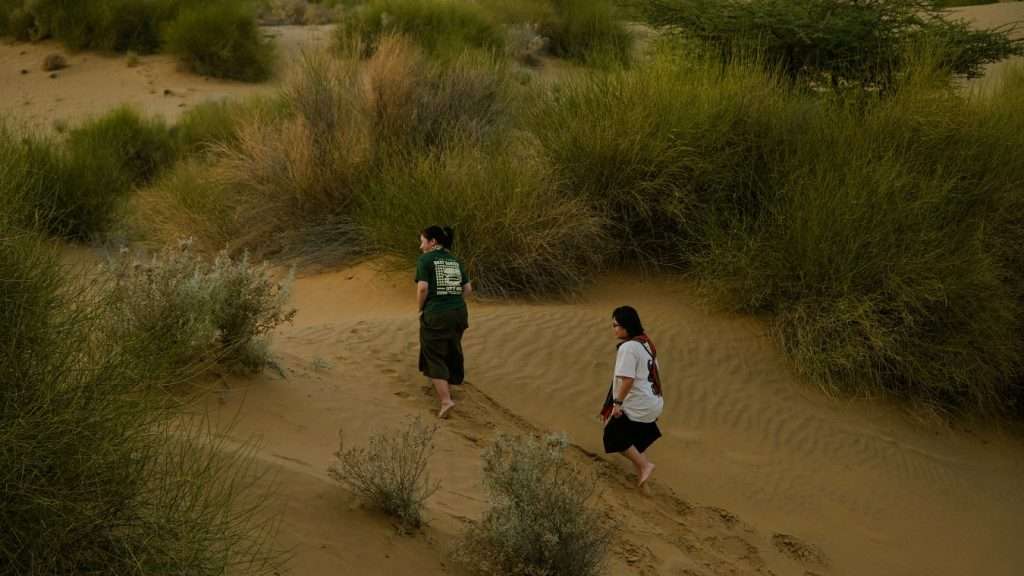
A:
x: 141, y: 146
x: 117, y: 25
x: 414, y: 105
x: 541, y: 520
x: 207, y: 313
x: 221, y: 39
x: 441, y: 27
x: 96, y: 473
x: 72, y: 195
x: 391, y: 473
x: 863, y: 44
x: 516, y: 233
x: 589, y: 31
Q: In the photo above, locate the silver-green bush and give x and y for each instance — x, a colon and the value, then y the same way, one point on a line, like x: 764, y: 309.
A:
x: 540, y: 521
x: 391, y: 473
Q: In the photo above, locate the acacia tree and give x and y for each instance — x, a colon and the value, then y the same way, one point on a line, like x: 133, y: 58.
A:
x: 863, y: 43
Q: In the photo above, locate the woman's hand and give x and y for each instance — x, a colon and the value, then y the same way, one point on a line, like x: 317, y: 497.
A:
x: 616, y: 411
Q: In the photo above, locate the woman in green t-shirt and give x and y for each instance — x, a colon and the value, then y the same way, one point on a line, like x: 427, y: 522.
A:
x: 441, y: 288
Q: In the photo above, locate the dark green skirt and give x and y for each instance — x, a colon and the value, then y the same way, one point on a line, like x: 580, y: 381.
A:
x: 441, y: 344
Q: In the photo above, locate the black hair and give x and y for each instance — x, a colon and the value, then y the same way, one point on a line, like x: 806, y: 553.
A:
x: 629, y: 319
x: 444, y: 235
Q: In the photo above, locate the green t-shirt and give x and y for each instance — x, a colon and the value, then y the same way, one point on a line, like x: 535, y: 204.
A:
x: 446, y: 276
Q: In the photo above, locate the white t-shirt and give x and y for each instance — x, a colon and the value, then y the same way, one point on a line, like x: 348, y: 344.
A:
x: 642, y: 404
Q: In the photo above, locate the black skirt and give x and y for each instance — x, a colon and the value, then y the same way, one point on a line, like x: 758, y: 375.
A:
x: 441, y: 344
x: 621, y: 433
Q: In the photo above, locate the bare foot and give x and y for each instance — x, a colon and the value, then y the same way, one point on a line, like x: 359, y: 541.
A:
x: 645, y: 473
x: 445, y: 408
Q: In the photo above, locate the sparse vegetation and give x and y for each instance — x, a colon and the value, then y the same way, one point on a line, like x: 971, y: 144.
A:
x: 541, y: 520
x: 391, y: 473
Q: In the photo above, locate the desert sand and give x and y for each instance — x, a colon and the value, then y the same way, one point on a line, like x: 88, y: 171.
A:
x: 759, y: 472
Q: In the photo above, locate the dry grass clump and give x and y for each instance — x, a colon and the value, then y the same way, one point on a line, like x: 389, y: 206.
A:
x: 391, y: 473
x: 97, y: 472
x: 541, y: 520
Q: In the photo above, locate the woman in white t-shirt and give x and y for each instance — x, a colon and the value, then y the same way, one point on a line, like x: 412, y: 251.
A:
x: 634, y: 400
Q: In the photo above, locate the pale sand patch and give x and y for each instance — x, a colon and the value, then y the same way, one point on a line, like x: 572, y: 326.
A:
x: 92, y: 84
x: 757, y: 473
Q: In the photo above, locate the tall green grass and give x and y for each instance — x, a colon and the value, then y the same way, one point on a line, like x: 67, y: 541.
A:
x: 658, y: 148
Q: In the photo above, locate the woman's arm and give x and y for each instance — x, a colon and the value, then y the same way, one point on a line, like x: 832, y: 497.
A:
x: 422, y: 288
x: 467, y: 289
x: 625, y: 385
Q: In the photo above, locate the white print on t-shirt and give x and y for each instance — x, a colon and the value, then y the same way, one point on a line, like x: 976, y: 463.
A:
x: 448, y: 278
x: 642, y: 404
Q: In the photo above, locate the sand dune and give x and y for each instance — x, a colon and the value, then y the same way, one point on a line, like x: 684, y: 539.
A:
x: 758, y: 472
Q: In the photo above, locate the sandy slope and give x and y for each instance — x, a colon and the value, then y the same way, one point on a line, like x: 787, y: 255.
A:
x: 758, y: 473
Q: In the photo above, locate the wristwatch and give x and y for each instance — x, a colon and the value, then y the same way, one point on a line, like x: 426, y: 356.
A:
x: 617, y: 402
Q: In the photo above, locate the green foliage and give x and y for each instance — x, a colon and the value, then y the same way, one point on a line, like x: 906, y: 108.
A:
x: 845, y: 43
x: 541, y: 520
x: 589, y: 31
x: 98, y: 474
x: 441, y: 27
x: 75, y: 189
x: 116, y: 25
x: 221, y: 39
x: 142, y: 147
x: 391, y: 473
